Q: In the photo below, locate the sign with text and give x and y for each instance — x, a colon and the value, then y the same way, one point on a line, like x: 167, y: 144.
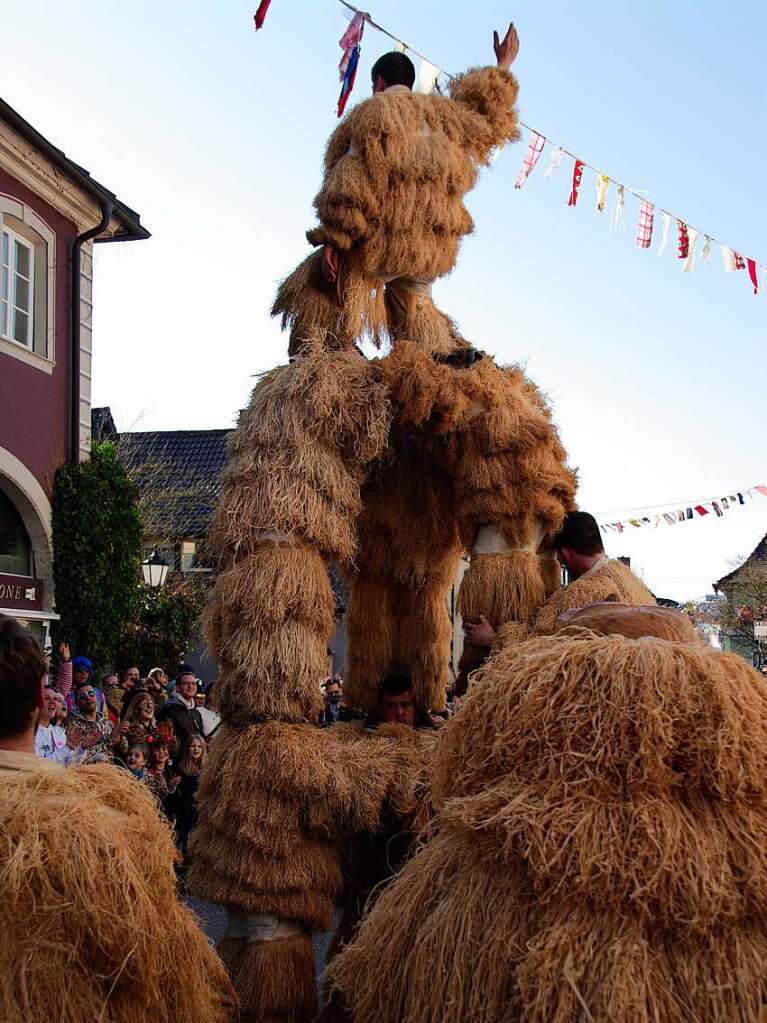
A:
x: 21, y: 593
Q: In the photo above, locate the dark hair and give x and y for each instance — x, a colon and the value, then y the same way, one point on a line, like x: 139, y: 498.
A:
x: 395, y: 684
x: 22, y: 666
x: 184, y: 669
x: 395, y: 69
x: 580, y: 533
x: 81, y: 685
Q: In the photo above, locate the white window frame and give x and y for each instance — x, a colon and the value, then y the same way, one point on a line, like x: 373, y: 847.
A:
x: 9, y: 304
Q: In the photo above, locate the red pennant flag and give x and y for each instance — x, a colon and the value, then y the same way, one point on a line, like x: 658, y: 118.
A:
x: 701, y: 510
x: 684, y: 240
x: 260, y: 15
x: 762, y: 490
x: 752, y: 274
x: 577, y: 175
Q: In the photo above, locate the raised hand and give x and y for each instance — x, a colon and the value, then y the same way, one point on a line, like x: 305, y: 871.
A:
x: 506, y: 51
x: 64, y: 652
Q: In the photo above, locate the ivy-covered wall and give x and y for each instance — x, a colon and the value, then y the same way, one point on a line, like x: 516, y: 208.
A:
x: 97, y: 554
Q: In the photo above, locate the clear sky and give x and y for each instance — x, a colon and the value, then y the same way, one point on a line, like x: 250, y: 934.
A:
x: 215, y: 135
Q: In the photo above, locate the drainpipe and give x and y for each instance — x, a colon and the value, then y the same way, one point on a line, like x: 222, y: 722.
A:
x: 107, y: 208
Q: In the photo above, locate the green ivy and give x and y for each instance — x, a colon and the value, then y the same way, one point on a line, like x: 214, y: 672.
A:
x: 97, y: 554
x: 165, y: 626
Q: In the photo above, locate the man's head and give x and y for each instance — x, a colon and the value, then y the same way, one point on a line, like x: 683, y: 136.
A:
x: 82, y: 670
x: 333, y: 692
x: 392, y: 69
x: 85, y: 698
x: 109, y: 682
x: 396, y: 699
x: 129, y: 677
x: 579, y: 543
x: 186, y: 682
x: 22, y: 668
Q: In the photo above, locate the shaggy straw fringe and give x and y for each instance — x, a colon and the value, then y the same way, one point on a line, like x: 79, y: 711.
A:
x: 275, y: 800
x: 297, y: 456
x: 275, y: 979
x: 267, y: 624
x: 600, y: 853
x: 613, y: 582
x: 408, y: 555
x: 88, y: 908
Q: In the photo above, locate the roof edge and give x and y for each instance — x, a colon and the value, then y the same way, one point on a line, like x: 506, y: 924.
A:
x: 130, y: 219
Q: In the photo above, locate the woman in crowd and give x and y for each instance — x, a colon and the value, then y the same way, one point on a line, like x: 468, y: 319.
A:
x: 137, y: 726
x: 157, y: 685
x: 183, y: 798
x: 60, y: 716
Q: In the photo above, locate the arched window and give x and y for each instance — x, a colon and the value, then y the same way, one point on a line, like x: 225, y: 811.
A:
x: 15, y: 545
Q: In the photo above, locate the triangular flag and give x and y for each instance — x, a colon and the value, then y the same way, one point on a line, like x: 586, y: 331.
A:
x: 534, y: 149
x: 644, y: 227
x: 555, y: 159
x: 577, y: 175
x: 752, y: 274
x: 426, y: 79
x: 603, y: 187
x: 260, y: 16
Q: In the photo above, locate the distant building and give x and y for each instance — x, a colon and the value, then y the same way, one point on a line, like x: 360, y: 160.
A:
x: 51, y: 213
x: 746, y: 585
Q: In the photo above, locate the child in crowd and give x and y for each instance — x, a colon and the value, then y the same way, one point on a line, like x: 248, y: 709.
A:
x: 182, y: 800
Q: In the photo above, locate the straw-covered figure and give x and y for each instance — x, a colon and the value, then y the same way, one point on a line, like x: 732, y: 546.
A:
x: 599, y: 846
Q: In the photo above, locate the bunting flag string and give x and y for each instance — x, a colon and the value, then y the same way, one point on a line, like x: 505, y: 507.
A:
x: 685, y: 512
x: 731, y: 258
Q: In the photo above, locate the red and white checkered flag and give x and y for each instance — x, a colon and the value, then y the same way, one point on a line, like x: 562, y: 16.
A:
x: 534, y: 150
x: 644, y: 227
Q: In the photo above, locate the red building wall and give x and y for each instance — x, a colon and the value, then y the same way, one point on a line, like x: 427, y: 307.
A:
x: 34, y: 405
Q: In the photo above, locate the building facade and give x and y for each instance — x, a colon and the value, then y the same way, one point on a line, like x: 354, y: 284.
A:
x: 52, y: 212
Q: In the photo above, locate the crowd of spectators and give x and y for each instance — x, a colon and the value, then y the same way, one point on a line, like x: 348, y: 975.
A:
x: 155, y: 727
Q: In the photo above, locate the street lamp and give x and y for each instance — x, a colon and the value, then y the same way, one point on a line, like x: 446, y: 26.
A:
x: 154, y: 570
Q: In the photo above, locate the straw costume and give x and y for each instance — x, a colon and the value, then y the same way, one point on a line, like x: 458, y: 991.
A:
x: 396, y: 171
x: 386, y: 469
x: 91, y: 924
x: 599, y: 849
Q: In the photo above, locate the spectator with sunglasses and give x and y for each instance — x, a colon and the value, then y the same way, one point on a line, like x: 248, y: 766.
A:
x: 87, y: 721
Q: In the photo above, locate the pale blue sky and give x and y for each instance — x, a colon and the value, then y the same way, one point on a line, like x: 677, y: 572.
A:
x: 215, y: 135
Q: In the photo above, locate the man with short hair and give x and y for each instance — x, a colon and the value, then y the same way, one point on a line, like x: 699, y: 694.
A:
x: 334, y: 710
x: 180, y: 708
x: 75, y: 945
x: 89, y: 725
x: 594, y: 578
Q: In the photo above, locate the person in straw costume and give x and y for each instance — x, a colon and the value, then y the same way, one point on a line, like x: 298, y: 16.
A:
x: 391, y: 206
x: 598, y: 850
x: 593, y: 576
x: 91, y: 923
